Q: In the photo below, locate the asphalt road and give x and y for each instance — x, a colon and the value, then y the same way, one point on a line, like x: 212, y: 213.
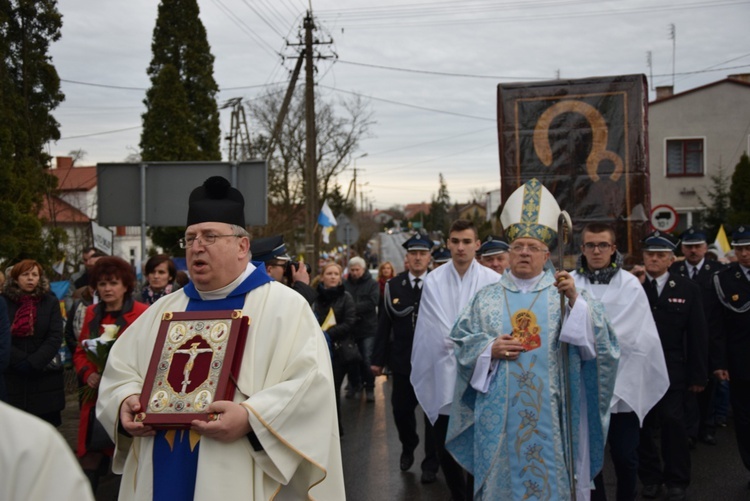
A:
x: 371, y: 451
x: 391, y: 250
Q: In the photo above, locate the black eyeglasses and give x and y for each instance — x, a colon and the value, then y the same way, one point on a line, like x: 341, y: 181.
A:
x: 602, y: 246
x: 205, y: 240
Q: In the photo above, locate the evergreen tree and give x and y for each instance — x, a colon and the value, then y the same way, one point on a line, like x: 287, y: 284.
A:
x: 439, y: 219
x: 29, y: 91
x: 181, y: 122
x: 168, y: 120
x: 716, y: 208
x: 339, y: 204
x: 180, y: 41
x: 739, y: 193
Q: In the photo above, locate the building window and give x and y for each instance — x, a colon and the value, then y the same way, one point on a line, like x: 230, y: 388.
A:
x: 684, y: 157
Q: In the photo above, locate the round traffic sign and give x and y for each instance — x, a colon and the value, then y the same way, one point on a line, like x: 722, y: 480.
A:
x: 664, y: 218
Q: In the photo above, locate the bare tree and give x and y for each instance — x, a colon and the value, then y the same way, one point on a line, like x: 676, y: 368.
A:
x: 77, y: 155
x: 340, y: 127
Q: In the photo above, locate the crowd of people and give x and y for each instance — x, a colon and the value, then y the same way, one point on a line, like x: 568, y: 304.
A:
x: 522, y: 372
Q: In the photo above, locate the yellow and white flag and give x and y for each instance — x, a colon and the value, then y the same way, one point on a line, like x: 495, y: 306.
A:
x: 330, y: 320
x: 722, y: 243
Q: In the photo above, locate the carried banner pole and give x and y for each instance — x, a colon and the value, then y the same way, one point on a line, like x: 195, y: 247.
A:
x: 564, y: 228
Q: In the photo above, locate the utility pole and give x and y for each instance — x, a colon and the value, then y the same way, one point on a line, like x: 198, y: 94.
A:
x: 284, y: 107
x: 311, y: 242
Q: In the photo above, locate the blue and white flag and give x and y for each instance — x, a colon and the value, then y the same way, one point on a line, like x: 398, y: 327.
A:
x: 326, y: 220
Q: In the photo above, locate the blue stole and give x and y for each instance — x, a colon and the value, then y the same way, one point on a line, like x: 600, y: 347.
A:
x: 175, y: 454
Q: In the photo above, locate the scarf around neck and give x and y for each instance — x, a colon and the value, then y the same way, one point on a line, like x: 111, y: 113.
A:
x: 150, y: 296
x: 23, y: 322
x: 603, y: 276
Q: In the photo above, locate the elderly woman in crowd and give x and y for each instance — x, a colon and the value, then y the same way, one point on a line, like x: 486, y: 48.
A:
x: 365, y: 292
x: 34, y: 379
x: 114, y: 282
x: 160, y: 275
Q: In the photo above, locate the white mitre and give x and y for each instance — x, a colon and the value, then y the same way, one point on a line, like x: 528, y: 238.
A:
x: 532, y: 212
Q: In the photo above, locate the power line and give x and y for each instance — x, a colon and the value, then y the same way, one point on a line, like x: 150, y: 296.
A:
x: 276, y: 13
x: 244, y: 27
x: 454, y: 19
x: 100, y: 133
x: 119, y: 87
x: 497, y: 77
x: 263, y: 18
x: 439, y: 73
x: 441, y: 140
x: 424, y: 108
x: 481, y: 146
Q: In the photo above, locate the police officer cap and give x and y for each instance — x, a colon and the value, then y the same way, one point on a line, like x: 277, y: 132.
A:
x: 741, y: 236
x: 269, y: 249
x: 215, y: 201
x: 658, y: 241
x: 493, y: 245
x: 418, y: 241
x: 441, y: 255
x: 693, y: 236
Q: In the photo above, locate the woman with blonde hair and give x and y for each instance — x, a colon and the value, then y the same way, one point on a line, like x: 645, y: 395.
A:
x: 334, y: 309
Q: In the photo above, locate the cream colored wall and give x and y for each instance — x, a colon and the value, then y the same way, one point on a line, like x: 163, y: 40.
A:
x: 721, y: 116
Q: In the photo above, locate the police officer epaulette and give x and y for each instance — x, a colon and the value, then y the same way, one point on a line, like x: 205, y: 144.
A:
x: 728, y: 284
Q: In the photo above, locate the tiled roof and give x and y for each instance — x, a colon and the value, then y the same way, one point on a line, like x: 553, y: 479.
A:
x: 56, y: 209
x: 73, y: 178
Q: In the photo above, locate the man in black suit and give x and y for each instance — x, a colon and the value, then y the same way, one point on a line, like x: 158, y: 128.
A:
x: 393, y: 346
x: 700, y: 269
x: 733, y: 291
x: 677, y: 308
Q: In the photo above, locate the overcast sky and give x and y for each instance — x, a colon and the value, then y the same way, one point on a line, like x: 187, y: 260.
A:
x: 430, y: 69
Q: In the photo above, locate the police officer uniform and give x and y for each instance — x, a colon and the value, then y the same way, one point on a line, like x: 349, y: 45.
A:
x: 440, y: 256
x: 393, y: 345
x: 733, y: 290
x: 270, y: 250
x: 677, y: 307
x: 493, y: 245
x: 699, y: 411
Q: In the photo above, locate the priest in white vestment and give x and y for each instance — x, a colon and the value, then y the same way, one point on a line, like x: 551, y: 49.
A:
x: 445, y: 292
x: 642, y: 377
x: 508, y: 424
x: 278, y: 439
x: 35, y: 461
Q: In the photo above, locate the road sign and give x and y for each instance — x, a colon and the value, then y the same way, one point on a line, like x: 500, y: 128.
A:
x: 346, y: 232
x: 664, y: 218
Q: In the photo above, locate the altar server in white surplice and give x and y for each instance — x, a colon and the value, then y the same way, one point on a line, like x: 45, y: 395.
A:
x: 445, y: 292
x: 278, y: 439
x: 642, y: 377
x: 35, y: 461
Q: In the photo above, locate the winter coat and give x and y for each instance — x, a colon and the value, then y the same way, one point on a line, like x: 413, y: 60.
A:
x: 343, y: 308
x: 4, y: 346
x: 366, y: 294
x: 85, y: 368
x: 30, y: 386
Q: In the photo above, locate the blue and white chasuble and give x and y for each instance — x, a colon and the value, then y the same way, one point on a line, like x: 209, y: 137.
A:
x: 176, y: 451
x: 511, y: 437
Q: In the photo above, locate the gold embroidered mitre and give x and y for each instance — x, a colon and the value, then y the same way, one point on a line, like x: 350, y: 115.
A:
x: 531, y: 212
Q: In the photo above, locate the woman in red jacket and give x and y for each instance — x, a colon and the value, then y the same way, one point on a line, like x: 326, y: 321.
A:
x: 114, y: 281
